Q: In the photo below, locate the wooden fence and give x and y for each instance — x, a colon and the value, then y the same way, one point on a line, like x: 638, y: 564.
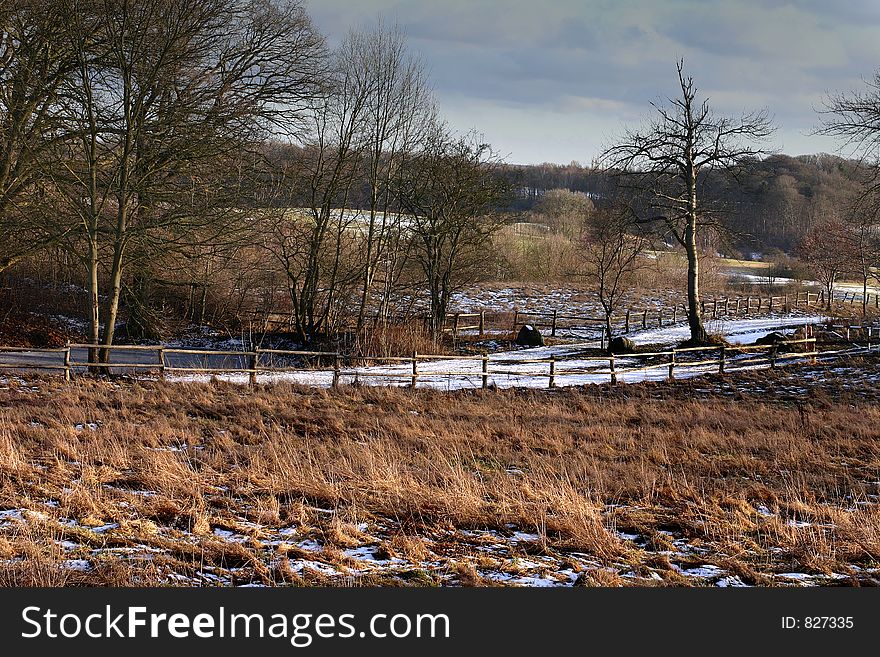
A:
x: 852, y: 297
x: 338, y: 366
x: 485, y: 320
x: 644, y: 318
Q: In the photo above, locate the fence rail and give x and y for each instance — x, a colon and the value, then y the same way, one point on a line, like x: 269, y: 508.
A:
x: 610, y: 368
x: 643, y: 318
x: 485, y: 320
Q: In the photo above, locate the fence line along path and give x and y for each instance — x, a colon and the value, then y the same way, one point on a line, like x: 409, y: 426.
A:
x: 331, y: 368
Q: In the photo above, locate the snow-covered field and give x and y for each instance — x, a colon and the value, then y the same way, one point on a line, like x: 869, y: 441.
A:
x: 518, y: 368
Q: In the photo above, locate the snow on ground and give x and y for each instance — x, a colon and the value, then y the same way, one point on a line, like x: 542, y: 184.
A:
x: 536, y: 297
x: 508, y: 556
x: 737, y: 331
x: 517, y: 369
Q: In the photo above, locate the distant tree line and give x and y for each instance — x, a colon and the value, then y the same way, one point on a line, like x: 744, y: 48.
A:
x: 772, y: 202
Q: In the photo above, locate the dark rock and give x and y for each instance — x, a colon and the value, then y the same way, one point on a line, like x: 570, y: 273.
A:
x: 772, y: 338
x: 529, y: 336
x: 621, y: 345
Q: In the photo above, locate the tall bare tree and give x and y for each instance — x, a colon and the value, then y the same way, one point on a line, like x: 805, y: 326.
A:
x: 452, y: 189
x: 613, y: 246
x: 33, y: 64
x: 309, y: 243
x: 168, y: 93
x: 398, y: 110
x: 863, y: 245
x: 666, y: 159
x: 827, y: 248
x: 854, y: 117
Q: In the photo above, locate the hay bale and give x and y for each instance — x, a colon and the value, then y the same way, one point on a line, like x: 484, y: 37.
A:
x: 621, y: 345
x: 529, y: 336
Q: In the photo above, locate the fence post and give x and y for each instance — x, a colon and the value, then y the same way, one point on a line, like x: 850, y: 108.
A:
x: 613, y: 372
x: 773, y: 356
x: 415, y: 369
x: 737, y: 305
x: 455, y: 327
x: 485, y: 370
x: 626, y: 325
x: 482, y: 322
x: 255, y: 360
x: 552, y: 371
x: 722, y: 359
x: 553, y: 325
x: 714, y: 307
x: 67, y: 362
x: 162, y: 363
x: 671, y: 365
x: 335, y: 383
x: 674, y: 313
x: 645, y: 319
x: 703, y: 307
x: 660, y: 318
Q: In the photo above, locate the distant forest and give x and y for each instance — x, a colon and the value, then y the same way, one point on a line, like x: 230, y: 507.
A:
x: 771, y: 205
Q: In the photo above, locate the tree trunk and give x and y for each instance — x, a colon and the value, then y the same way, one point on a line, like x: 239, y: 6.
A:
x: 608, y: 329
x: 94, y: 299
x: 695, y: 320
x: 113, y: 302
x: 368, y: 269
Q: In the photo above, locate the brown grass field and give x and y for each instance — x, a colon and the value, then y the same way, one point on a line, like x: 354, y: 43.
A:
x: 760, y: 479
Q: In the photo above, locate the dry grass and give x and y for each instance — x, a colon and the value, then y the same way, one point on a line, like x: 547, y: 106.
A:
x: 754, y: 485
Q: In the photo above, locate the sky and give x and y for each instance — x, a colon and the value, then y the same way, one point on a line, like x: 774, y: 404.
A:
x: 559, y: 80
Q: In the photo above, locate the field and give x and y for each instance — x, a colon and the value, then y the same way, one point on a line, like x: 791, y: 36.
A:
x: 766, y: 478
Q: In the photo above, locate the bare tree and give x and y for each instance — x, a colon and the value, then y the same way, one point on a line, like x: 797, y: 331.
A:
x: 854, y: 117
x: 33, y: 64
x: 666, y: 159
x: 310, y: 243
x: 167, y: 95
x: 613, y: 247
x: 863, y: 244
x: 827, y: 250
x: 565, y: 211
x: 398, y: 109
x: 452, y: 189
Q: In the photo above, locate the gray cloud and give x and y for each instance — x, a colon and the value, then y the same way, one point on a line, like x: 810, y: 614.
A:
x: 553, y: 81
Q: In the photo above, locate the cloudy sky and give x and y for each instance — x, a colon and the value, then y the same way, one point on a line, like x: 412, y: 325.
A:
x: 556, y: 80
